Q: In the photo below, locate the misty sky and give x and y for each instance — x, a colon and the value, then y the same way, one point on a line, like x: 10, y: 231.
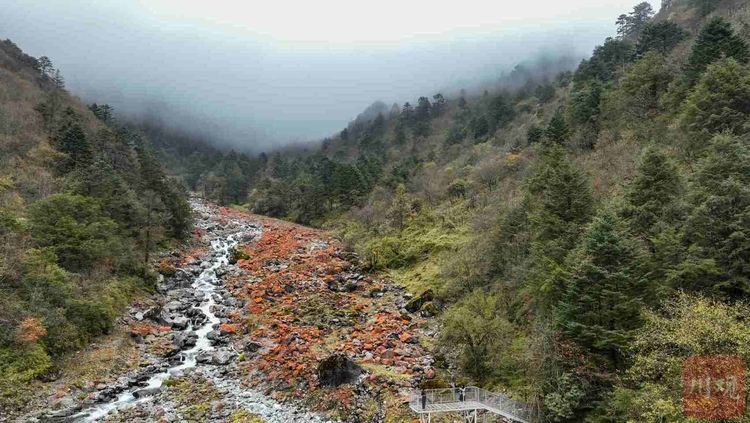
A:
x: 256, y: 72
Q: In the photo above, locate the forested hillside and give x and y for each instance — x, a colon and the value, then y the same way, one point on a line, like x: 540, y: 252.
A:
x: 580, y: 234
x: 83, y: 203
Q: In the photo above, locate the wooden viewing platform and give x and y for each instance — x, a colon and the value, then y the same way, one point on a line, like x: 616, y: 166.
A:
x: 475, y: 399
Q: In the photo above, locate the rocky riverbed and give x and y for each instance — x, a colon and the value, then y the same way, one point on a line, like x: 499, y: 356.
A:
x: 256, y: 321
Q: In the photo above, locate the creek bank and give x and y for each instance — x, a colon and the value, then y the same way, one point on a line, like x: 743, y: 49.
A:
x: 179, y: 335
x: 249, y: 339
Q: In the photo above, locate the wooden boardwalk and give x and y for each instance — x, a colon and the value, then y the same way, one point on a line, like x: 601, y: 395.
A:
x: 468, y: 404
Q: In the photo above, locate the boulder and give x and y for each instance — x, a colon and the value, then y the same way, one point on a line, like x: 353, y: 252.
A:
x: 177, y: 321
x: 203, y: 358
x: 222, y: 357
x: 184, y: 340
x: 416, y: 303
x: 337, y: 370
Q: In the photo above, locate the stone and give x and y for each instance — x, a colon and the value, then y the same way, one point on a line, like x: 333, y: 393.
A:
x: 65, y: 402
x: 177, y: 321
x: 252, y: 347
x: 148, y: 392
x: 223, y: 357
x: 184, y: 340
x: 203, y: 358
x: 337, y: 370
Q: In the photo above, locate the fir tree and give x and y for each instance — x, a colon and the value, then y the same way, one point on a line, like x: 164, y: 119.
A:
x: 719, y: 225
x: 344, y: 135
x: 422, y: 111
x: 661, y: 37
x: 438, y: 105
x: 719, y: 103
x: 654, y: 194
x: 501, y: 112
x: 557, y: 130
x: 73, y: 142
x: 399, y: 133
x: 601, y: 307
x: 534, y: 134
x: 716, y: 40
x: 407, y: 114
x: 564, y: 202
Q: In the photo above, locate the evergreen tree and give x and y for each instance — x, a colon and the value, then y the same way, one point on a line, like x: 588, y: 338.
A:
x: 719, y: 226
x: 117, y: 199
x: 76, y: 229
x: 634, y: 22
x: 643, y: 86
x: 654, y: 194
x: 438, y: 105
x: 719, y: 103
x: 584, y: 106
x: 557, y: 130
x: 377, y: 126
x: 407, y: 114
x: 154, y: 219
x: 716, y: 40
x: 564, y: 202
x: 501, y: 112
x: 45, y: 66
x: 399, y: 133
x: 73, y: 142
x: 344, y: 135
x: 421, y: 128
x: 422, y: 111
x: 58, y: 80
x: 608, y: 59
x: 661, y: 37
x: 545, y: 93
x: 534, y: 134
x: 600, y: 309
x: 480, y: 127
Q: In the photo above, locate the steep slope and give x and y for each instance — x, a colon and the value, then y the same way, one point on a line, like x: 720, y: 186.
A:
x: 83, y: 203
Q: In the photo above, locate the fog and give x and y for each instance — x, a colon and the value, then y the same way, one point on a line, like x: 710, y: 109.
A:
x: 255, y: 74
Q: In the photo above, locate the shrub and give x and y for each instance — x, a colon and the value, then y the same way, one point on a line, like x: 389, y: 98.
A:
x: 458, y: 188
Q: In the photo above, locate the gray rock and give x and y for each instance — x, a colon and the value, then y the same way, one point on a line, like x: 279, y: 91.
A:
x: 148, y: 392
x: 184, y: 340
x: 223, y: 357
x: 203, y: 358
x: 177, y: 321
x: 65, y: 403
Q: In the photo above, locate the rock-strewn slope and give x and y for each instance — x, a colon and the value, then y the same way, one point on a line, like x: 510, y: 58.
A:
x: 290, y: 322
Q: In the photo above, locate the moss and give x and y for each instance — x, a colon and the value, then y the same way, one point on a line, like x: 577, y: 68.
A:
x: 385, y: 371
x: 166, y: 270
x: 243, y: 416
